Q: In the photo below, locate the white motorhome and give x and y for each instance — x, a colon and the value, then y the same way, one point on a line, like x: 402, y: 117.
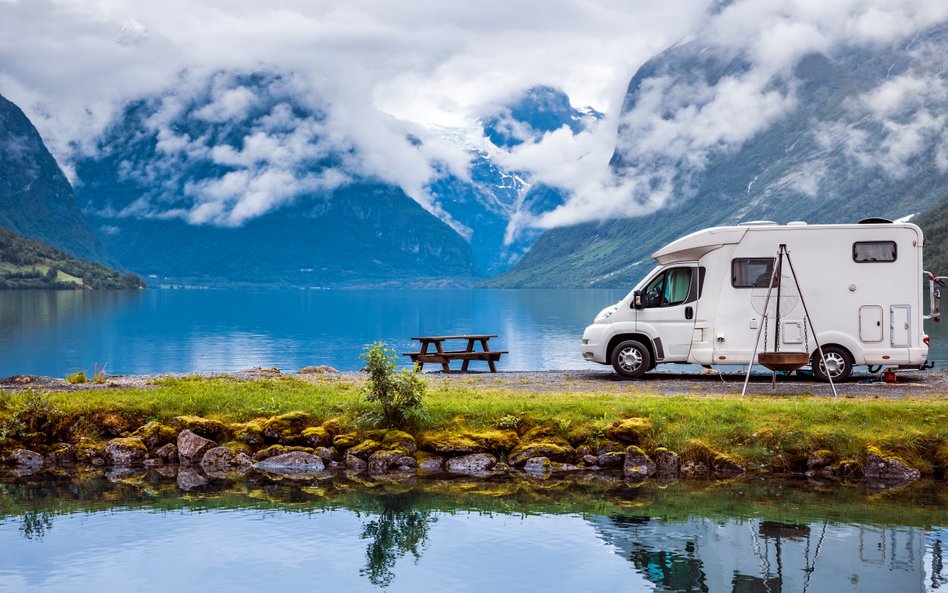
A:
x: 863, y: 286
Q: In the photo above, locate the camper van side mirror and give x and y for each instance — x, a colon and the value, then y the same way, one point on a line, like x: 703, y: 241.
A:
x: 637, y: 299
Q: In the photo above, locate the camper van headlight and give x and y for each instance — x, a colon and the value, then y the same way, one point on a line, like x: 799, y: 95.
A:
x: 606, y: 313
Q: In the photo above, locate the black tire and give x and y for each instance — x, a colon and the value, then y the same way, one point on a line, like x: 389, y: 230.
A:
x: 631, y: 359
x: 838, y: 359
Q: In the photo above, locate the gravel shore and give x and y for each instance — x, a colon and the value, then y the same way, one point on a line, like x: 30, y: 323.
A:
x: 915, y: 384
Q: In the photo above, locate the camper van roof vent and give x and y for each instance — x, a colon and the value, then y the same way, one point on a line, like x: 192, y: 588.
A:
x: 758, y: 223
x: 875, y: 220
x: 796, y: 223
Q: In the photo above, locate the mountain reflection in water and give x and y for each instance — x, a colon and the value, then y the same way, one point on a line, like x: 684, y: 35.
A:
x: 143, y: 531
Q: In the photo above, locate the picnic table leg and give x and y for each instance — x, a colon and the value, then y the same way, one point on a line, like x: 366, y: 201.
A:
x: 490, y: 361
x: 444, y: 365
x: 470, y: 348
x: 424, y: 350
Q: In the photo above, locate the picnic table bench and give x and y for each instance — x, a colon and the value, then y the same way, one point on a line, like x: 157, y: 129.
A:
x: 444, y: 357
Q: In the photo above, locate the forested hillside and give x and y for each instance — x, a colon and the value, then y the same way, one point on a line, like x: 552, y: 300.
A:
x: 27, y: 263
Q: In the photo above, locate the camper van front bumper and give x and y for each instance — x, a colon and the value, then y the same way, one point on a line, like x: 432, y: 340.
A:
x: 595, y: 340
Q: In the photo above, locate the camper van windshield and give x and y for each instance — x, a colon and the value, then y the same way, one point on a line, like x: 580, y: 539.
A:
x: 751, y: 272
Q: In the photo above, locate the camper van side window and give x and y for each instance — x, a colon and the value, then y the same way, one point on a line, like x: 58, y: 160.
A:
x: 672, y: 287
x: 875, y: 251
x: 751, y: 272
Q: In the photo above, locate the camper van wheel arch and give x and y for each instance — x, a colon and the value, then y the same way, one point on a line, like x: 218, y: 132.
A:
x: 631, y: 359
x: 838, y: 359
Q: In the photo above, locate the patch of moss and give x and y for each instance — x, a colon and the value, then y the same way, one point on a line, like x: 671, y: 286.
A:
x: 249, y: 432
x: 331, y: 426
x: 496, y: 440
x: 317, y: 436
x: 209, y: 429
x: 629, y: 430
x: 274, y: 450
x: 635, y: 450
x: 538, y: 433
x: 155, y: 434
x: 554, y: 450
x: 280, y: 427
x: 366, y: 448
x: 451, y: 443
x: 402, y: 442
x: 130, y: 443
x: 698, y: 452
x: 87, y: 450
x: 345, y: 441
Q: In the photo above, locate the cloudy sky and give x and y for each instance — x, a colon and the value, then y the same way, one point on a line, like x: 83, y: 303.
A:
x: 71, y: 64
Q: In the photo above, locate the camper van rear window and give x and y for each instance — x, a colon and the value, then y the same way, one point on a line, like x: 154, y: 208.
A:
x: 874, y: 251
x: 751, y: 272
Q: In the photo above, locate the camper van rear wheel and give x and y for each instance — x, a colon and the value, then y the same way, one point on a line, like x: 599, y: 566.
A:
x: 631, y: 359
x: 839, y: 361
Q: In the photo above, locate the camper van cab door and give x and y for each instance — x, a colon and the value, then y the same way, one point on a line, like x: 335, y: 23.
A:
x: 669, y: 308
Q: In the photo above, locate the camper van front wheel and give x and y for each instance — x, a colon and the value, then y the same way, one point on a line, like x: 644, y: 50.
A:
x: 631, y: 359
x: 838, y: 360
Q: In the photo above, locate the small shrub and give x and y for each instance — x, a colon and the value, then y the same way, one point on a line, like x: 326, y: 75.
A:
x: 77, y: 377
x: 399, y: 393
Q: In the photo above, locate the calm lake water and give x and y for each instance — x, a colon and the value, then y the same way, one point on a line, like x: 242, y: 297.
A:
x: 55, y: 333
x: 146, y: 532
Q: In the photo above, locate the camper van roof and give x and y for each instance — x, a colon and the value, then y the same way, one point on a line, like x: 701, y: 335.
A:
x: 692, y: 247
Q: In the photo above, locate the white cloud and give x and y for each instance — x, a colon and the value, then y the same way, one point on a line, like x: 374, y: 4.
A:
x: 71, y: 64
x: 379, y: 70
x: 679, y: 121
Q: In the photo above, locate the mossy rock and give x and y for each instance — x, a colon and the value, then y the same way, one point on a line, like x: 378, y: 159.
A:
x: 155, y: 434
x: 61, y: 453
x: 364, y: 449
x: 88, y: 450
x: 465, y: 442
x: 274, y: 450
x: 214, y: 430
x: 317, y: 436
x: 285, y: 426
x: 629, y: 430
x: 497, y: 440
x: 541, y: 432
x: 250, y: 433
x: 451, y: 443
x: 429, y: 461
x: 555, y: 451
x: 697, y: 452
x: 634, y: 450
x: 345, y: 441
x: 331, y: 426
x: 396, y: 440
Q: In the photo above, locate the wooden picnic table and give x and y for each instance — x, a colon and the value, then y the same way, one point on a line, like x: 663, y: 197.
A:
x: 444, y: 357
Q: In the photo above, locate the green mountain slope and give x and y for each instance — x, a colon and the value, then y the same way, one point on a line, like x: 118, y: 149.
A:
x: 27, y: 263
x: 36, y: 199
x: 934, y: 223
x: 826, y: 159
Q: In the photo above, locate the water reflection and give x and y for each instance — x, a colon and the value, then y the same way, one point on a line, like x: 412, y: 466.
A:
x: 760, y: 556
x: 395, y: 528
x: 63, y: 533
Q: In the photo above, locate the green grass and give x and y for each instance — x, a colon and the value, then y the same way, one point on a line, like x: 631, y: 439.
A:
x: 774, y: 432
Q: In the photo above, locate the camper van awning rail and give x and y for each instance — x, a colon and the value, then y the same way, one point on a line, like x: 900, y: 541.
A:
x: 692, y: 247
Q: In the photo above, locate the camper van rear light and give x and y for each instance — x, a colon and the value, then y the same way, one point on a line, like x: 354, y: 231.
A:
x: 927, y: 341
